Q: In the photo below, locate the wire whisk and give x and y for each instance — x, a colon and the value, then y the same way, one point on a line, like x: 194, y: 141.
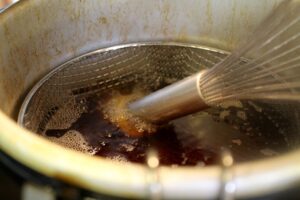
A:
x: 265, y: 67
x: 273, y: 71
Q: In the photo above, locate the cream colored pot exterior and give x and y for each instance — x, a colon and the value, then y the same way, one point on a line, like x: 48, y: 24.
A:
x: 37, y: 35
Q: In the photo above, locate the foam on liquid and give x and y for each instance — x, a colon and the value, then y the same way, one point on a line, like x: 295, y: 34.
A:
x: 116, y: 111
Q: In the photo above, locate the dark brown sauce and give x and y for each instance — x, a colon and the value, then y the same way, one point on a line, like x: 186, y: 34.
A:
x: 111, y: 142
x: 190, y: 140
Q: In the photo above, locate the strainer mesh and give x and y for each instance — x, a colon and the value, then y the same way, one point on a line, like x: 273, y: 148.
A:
x: 60, y: 99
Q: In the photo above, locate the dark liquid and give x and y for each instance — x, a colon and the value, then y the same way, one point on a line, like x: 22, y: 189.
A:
x: 190, y: 140
x: 111, y: 142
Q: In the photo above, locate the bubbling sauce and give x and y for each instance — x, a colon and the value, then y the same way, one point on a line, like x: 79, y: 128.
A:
x: 115, y: 110
x: 107, y: 129
x: 103, y: 135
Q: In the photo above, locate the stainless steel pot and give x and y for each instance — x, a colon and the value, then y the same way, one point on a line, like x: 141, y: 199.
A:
x: 36, y: 36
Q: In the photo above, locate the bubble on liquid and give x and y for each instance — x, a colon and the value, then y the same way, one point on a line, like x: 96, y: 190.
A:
x: 268, y: 152
x: 242, y: 115
x: 74, y: 140
x: 118, y: 158
x: 128, y: 147
x: 185, y: 158
x: 237, y: 142
x: 115, y: 110
x: 67, y: 114
x: 224, y: 114
x: 103, y: 143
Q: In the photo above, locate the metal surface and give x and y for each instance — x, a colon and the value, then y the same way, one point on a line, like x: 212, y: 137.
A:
x: 155, y: 187
x: 179, y: 99
x: 229, y: 187
x: 30, y: 50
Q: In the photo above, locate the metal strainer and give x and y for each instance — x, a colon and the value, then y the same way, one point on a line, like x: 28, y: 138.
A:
x: 149, y: 65
x: 260, y: 129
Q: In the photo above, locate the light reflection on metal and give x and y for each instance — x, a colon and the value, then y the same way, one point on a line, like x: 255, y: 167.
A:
x: 154, y: 185
x: 228, y: 187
